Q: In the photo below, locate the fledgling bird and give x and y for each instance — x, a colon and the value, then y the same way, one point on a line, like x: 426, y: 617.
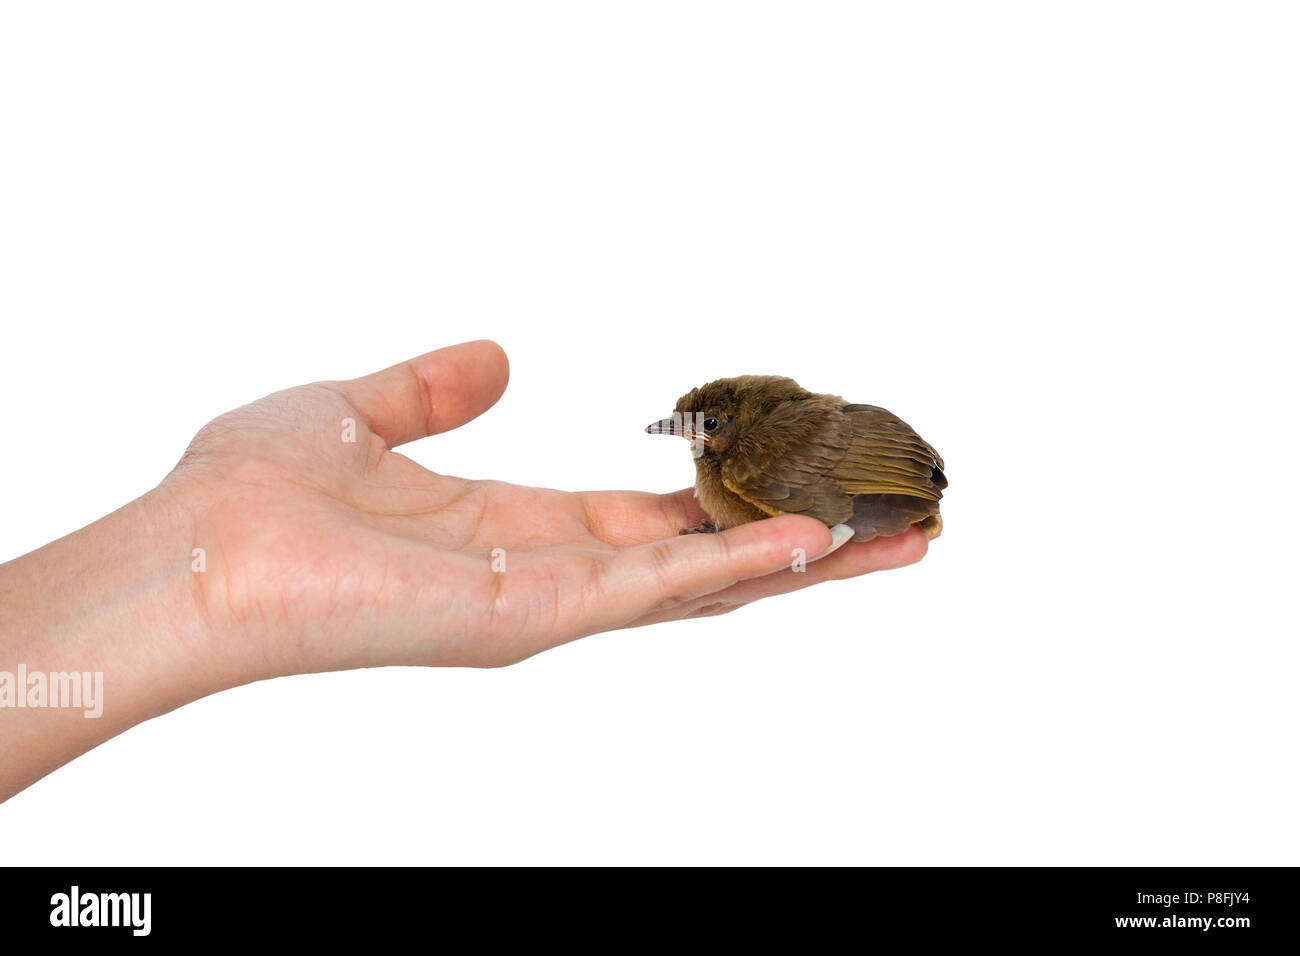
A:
x: 764, y: 446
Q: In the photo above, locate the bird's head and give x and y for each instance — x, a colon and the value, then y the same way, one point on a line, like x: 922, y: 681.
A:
x: 717, y: 417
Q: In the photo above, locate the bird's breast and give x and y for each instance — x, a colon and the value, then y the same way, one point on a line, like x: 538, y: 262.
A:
x: 724, y: 507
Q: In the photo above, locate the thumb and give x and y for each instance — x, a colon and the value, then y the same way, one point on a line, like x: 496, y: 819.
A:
x: 434, y: 393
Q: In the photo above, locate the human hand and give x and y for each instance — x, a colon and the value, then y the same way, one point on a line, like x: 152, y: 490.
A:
x: 325, y: 554
x: 277, y: 546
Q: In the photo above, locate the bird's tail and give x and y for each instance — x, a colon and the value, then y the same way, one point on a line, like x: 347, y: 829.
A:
x: 885, y: 515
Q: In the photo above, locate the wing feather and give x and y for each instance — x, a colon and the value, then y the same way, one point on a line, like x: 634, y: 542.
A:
x: 786, y: 467
x: 794, y: 465
x: 885, y: 456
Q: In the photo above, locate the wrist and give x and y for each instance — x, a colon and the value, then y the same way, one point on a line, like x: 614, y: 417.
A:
x: 115, y: 605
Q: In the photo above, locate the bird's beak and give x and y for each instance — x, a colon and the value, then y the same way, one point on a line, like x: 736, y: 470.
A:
x: 677, y: 425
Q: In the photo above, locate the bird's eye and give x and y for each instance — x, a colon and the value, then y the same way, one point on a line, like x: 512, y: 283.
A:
x: 710, y: 424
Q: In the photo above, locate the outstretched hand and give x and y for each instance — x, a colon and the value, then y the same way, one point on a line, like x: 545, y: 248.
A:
x: 292, y: 538
x: 327, y: 553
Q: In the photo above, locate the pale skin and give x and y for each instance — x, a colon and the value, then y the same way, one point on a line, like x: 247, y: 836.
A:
x: 321, y: 554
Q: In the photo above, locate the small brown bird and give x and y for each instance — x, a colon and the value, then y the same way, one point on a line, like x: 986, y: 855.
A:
x: 764, y: 446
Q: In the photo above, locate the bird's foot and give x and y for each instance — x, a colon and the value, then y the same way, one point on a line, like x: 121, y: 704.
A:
x: 704, y: 527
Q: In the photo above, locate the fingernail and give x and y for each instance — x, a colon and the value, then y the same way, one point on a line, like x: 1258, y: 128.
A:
x: 841, y: 535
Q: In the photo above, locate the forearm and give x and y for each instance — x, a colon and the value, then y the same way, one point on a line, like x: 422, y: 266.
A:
x: 113, y: 604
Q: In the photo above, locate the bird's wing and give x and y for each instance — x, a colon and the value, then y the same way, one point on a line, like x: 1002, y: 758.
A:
x: 885, y: 456
x: 794, y: 478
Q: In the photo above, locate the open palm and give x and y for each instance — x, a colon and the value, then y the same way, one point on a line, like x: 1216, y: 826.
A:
x: 321, y: 548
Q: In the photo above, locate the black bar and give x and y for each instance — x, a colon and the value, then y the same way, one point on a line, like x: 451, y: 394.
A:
x: 808, y: 908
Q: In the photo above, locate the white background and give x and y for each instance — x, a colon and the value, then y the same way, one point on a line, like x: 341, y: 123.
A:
x: 1059, y: 239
